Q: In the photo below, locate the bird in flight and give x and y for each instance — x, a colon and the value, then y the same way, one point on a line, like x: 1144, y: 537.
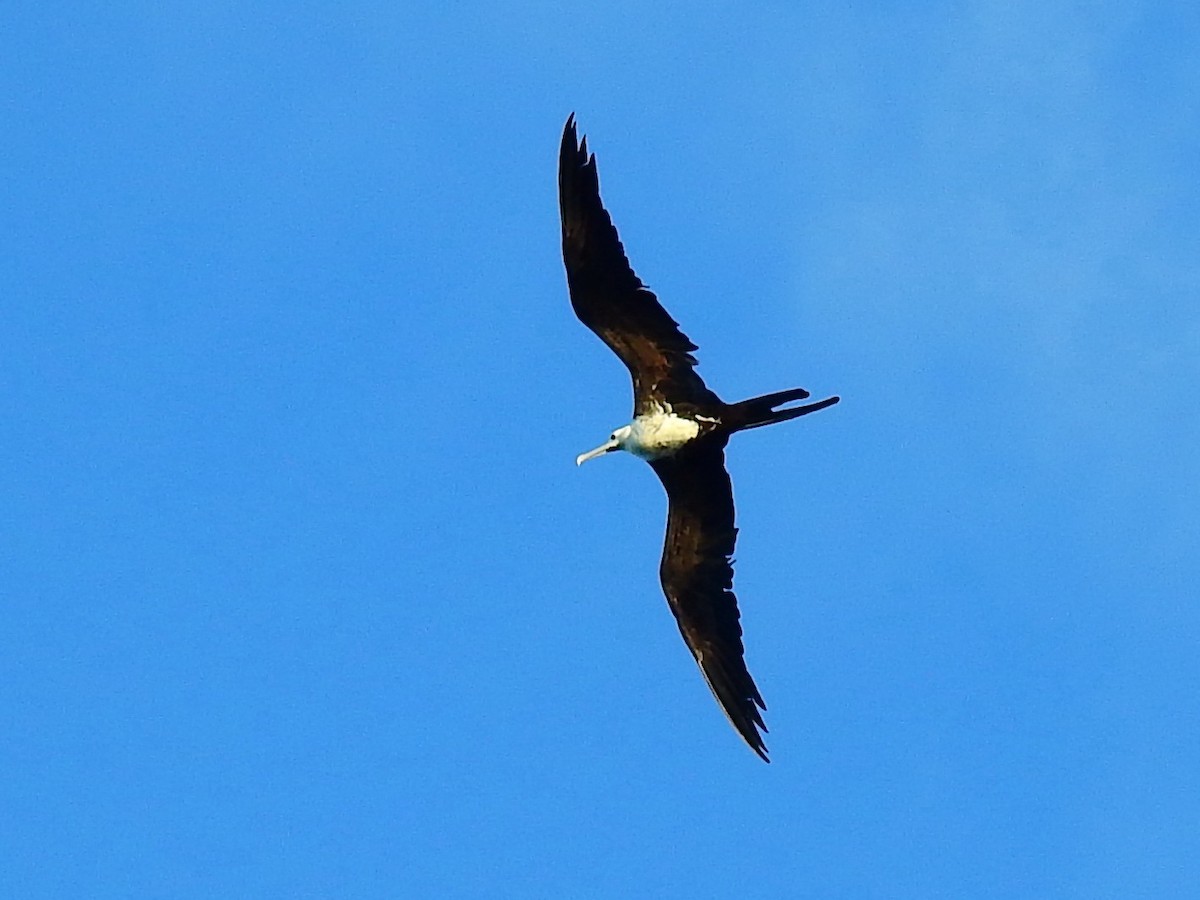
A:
x: 680, y: 427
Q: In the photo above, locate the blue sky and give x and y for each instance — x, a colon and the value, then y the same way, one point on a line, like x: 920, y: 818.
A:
x: 304, y: 596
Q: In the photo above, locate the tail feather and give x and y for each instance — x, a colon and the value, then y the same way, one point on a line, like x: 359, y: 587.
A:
x: 763, y: 410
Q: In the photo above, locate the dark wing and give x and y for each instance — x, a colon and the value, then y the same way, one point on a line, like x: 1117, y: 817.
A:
x: 610, y: 299
x: 697, y: 577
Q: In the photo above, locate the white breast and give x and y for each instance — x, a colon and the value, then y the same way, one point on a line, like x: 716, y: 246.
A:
x: 660, y: 433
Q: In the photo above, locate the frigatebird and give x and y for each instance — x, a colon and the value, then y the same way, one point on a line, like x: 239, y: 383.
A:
x: 679, y: 426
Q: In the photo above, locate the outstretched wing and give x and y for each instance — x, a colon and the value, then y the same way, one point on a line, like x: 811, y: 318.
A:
x: 610, y: 299
x: 697, y: 577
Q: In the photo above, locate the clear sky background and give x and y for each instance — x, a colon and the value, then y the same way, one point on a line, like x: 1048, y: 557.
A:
x: 304, y: 596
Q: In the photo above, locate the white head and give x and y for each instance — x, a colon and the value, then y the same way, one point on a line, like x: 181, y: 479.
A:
x: 615, y: 442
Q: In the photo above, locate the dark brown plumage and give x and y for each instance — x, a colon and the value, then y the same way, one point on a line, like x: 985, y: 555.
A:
x: 696, y: 569
x: 697, y: 577
x: 609, y: 298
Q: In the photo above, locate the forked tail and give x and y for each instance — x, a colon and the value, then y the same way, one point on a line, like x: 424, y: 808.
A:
x: 762, y: 410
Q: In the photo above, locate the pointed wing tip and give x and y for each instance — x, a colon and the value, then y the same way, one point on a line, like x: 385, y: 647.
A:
x: 746, y: 721
x: 752, y: 736
x: 570, y: 133
x: 754, y: 739
x: 742, y: 712
x: 573, y: 154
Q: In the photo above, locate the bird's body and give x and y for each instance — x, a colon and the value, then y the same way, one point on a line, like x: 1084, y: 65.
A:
x: 655, y: 434
x: 679, y: 427
x: 660, y: 434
